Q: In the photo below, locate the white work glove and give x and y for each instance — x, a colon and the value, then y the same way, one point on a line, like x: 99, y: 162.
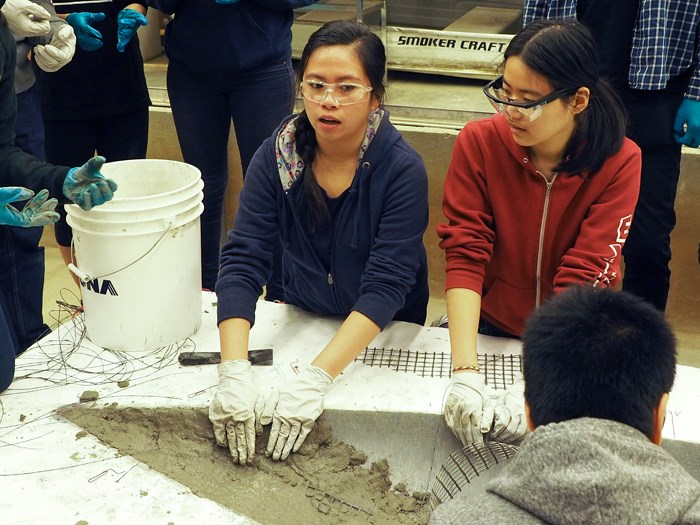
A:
x: 232, y: 411
x: 509, y: 422
x: 299, y: 404
x: 25, y: 18
x: 467, y: 410
x: 57, y: 53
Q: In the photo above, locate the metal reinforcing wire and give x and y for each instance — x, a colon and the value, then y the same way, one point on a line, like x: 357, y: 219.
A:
x: 499, y: 370
x: 66, y: 360
x: 464, y: 465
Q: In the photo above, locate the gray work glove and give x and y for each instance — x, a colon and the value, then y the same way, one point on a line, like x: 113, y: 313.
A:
x: 25, y: 18
x: 509, y: 422
x: 467, y: 410
x: 57, y: 53
x: 232, y: 411
x: 299, y: 404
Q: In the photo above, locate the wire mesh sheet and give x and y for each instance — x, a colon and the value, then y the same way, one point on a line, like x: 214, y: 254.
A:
x: 465, y: 466
x: 499, y: 370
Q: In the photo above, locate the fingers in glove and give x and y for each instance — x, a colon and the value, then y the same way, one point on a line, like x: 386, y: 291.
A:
x: 303, y: 433
x: 232, y: 440
x: 89, y: 44
x: 245, y: 454
x: 14, y: 194
x: 294, y: 431
x: 250, y: 438
x: 282, y: 437
x: 38, y: 200
x: 472, y: 428
x: 274, y: 435
x: 258, y: 410
x: 220, y: 433
x: 488, y: 416
x: 94, y: 164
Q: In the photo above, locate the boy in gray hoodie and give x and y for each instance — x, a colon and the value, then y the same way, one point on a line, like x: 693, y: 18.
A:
x: 598, y: 366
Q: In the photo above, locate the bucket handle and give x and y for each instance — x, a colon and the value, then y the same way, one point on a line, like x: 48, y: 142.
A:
x: 85, y: 278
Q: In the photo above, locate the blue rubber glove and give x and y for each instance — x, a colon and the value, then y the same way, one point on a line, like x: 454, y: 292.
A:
x: 39, y: 211
x: 88, y: 37
x: 87, y: 187
x: 226, y: 2
x: 128, y: 21
x: 686, y: 127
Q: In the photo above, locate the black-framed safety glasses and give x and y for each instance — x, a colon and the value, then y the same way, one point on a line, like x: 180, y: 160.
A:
x: 531, y: 110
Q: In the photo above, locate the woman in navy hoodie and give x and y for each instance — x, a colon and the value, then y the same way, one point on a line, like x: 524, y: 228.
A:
x: 227, y: 60
x: 349, y: 198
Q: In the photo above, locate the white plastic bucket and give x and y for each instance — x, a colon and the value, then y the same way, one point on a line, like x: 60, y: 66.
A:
x: 138, y: 256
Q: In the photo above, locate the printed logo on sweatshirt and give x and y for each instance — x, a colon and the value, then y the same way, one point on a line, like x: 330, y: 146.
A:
x: 608, y: 274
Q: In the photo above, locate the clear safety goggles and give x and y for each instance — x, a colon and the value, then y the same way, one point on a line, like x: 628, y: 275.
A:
x: 343, y: 93
x: 531, y: 110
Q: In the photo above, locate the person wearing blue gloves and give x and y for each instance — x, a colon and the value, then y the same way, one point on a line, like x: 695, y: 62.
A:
x: 43, y: 40
x: 98, y: 103
x: 227, y: 60
x: 84, y: 186
x: 649, y: 51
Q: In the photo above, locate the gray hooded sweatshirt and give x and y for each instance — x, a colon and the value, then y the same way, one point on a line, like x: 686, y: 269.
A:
x: 586, y: 470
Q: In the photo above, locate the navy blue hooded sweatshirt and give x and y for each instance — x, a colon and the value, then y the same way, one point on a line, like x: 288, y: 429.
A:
x: 208, y: 37
x: 378, y: 262
x: 18, y: 168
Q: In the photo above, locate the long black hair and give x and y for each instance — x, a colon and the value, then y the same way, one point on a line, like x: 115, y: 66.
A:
x: 369, y: 49
x: 564, y: 53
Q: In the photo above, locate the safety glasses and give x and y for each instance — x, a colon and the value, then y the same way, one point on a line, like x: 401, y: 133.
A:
x: 531, y: 110
x: 344, y: 93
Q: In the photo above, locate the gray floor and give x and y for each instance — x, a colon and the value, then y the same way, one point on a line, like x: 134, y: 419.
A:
x: 444, y: 104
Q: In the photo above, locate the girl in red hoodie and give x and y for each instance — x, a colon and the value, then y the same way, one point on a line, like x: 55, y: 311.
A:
x: 538, y: 197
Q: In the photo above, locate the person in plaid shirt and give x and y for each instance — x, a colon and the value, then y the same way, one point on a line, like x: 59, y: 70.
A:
x: 649, y: 51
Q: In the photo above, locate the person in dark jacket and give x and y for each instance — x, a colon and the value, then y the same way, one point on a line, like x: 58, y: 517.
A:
x: 227, y: 60
x: 84, y: 186
x: 598, y: 366
x: 46, y: 40
x: 350, y: 199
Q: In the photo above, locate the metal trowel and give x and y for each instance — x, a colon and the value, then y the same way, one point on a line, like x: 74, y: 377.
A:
x: 259, y: 357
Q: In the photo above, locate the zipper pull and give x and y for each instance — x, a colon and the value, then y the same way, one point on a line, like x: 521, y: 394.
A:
x: 330, y: 279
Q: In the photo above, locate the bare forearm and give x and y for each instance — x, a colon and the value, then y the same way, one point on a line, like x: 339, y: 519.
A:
x: 463, y: 312
x: 352, y: 337
x: 233, y: 338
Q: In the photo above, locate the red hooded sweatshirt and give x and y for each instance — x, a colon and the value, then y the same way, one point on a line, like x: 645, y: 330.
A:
x: 515, y: 238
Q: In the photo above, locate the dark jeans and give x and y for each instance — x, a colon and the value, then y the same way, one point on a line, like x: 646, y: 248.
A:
x: 203, y: 106
x: 21, y: 257
x: 73, y: 142
x: 7, y: 346
x: 647, y: 251
x: 486, y: 328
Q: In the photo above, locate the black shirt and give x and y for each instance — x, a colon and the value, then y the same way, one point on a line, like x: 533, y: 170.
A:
x: 612, y: 24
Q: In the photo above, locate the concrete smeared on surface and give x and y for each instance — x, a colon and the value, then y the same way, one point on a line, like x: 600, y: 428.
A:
x: 326, y: 482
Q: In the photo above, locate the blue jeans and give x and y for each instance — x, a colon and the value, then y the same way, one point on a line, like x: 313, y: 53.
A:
x: 21, y: 257
x: 203, y: 106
